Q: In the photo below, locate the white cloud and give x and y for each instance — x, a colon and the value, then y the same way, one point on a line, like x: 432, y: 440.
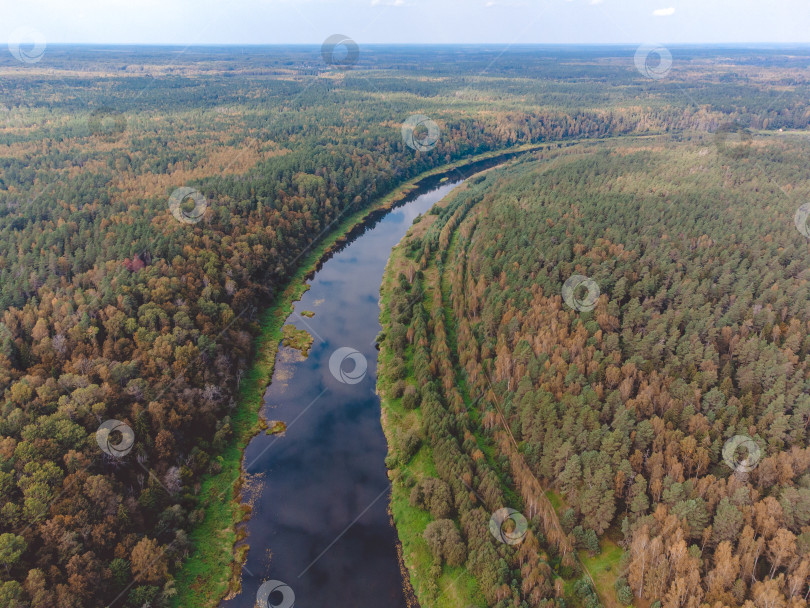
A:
x: 492, y: 3
x: 387, y: 2
x: 664, y: 12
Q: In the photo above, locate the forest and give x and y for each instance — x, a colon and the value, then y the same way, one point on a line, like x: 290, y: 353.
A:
x: 111, y: 309
x: 609, y: 417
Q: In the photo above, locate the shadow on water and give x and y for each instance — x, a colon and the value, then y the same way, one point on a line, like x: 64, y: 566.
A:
x: 320, y: 491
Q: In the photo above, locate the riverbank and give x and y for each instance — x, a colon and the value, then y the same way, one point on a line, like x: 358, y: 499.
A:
x: 418, y: 348
x: 453, y: 586
x: 213, y: 571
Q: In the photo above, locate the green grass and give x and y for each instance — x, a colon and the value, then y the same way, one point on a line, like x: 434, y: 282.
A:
x: 555, y: 500
x: 299, y: 339
x: 456, y: 587
x: 606, y: 561
x: 212, y: 571
x: 604, y: 569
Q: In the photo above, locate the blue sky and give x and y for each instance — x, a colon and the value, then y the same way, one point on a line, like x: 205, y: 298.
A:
x: 417, y: 21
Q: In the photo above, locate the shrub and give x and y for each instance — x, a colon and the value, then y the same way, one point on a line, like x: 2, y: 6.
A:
x: 410, y: 399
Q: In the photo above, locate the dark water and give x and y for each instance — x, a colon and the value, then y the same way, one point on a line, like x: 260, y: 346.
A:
x: 320, y: 522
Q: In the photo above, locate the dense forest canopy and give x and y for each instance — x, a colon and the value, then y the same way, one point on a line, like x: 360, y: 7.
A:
x: 112, y: 310
x: 625, y: 405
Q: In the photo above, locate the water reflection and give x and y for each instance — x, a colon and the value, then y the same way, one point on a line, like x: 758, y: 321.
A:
x: 320, y: 520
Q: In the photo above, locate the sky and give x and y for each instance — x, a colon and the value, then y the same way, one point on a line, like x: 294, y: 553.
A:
x: 187, y: 22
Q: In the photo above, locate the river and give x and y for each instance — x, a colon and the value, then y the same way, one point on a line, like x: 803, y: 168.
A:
x: 320, y: 491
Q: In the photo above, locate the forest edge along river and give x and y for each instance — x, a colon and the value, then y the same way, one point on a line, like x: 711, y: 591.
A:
x: 320, y: 532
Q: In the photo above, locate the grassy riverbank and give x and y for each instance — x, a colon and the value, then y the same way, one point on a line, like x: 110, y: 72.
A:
x: 455, y: 586
x: 436, y: 584
x: 213, y: 570
x: 447, y: 587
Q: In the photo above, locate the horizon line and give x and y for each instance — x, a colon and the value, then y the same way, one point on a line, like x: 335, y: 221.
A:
x: 428, y: 44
